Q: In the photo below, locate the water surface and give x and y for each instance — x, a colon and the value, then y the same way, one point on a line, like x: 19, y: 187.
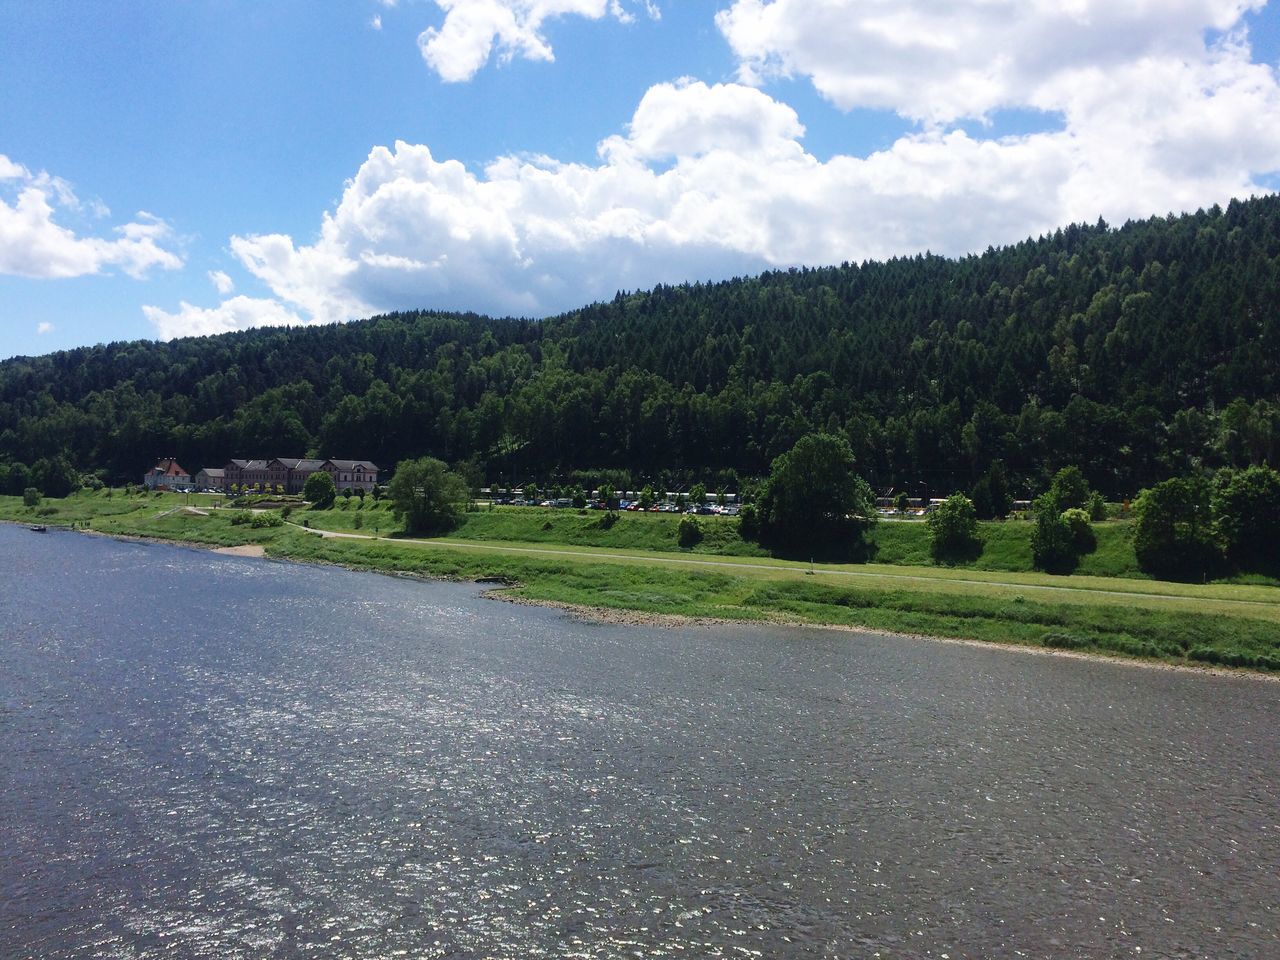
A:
x: 208, y: 756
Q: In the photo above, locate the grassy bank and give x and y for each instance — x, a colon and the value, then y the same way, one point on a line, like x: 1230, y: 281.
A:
x: 570, y: 559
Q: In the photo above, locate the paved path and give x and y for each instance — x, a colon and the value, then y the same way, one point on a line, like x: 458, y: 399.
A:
x: 747, y: 565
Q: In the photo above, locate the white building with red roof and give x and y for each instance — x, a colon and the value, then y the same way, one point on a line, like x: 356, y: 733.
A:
x: 168, y: 474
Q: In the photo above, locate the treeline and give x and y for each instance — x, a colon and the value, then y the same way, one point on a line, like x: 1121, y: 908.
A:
x: 1137, y: 353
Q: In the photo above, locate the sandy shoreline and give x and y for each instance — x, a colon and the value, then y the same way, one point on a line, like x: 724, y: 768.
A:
x: 246, y: 550
x: 635, y: 618
x: 638, y: 618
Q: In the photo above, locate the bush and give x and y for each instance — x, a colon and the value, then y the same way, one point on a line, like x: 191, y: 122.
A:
x: 1065, y: 641
x: 1096, y: 506
x: 607, y: 521
x: 359, y: 521
x: 31, y: 497
x: 261, y: 520
x: 286, y: 511
x: 689, y: 533
x: 1053, y: 547
x: 749, y: 522
x: 953, y: 530
x: 241, y: 517
x: 1083, y: 539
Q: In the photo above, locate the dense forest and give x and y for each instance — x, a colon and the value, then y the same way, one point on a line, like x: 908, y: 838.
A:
x: 1136, y: 353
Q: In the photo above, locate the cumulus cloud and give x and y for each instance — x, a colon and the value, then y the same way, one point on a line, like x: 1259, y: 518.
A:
x: 712, y: 180
x: 238, y: 313
x: 33, y: 244
x: 473, y: 30
x: 221, y: 282
x: 43, y: 327
x: 939, y: 62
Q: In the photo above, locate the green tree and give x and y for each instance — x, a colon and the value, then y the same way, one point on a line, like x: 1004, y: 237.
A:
x: 1247, y: 510
x: 1173, y: 530
x: 1053, y: 548
x: 320, y: 490
x: 31, y: 497
x: 698, y: 494
x: 814, y: 496
x: 991, y: 496
x: 428, y: 496
x: 1069, y: 489
x: 953, y: 530
x: 903, y: 502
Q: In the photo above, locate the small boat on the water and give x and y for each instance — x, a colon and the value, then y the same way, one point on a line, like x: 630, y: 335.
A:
x: 39, y: 528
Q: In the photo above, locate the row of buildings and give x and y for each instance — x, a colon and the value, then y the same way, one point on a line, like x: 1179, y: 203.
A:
x: 283, y: 473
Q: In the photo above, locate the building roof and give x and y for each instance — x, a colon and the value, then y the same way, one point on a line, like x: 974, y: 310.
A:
x: 169, y: 468
x: 214, y: 472
x: 353, y: 464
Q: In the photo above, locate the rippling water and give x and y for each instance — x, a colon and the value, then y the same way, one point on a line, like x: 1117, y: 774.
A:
x: 207, y: 756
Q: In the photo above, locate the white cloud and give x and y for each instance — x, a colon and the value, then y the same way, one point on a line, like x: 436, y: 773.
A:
x: 221, y: 282
x: 32, y: 244
x: 376, y: 21
x: 938, y: 62
x: 43, y: 327
x: 711, y: 181
x: 238, y: 313
x: 474, y: 29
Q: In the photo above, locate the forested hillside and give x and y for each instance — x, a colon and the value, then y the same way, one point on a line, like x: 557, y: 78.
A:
x: 1136, y: 353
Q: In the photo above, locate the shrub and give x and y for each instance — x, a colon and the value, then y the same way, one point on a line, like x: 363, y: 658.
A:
x: 1083, y: 539
x: 1052, y: 545
x: 689, y: 533
x: 359, y: 521
x: 1064, y: 641
x: 30, y: 497
x: 953, y: 530
x: 46, y: 511
x: 266, y: 520
x: 749, y: 522
x: 607, y: 521
x: 1096, y: 506
x: 286, y: 511
x: 241, y: 517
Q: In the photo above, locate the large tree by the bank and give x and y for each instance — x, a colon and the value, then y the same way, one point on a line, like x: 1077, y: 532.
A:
x: 428, y: 496
x: 814, y: 495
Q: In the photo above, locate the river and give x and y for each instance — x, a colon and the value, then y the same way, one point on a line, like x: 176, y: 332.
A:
x: 210, y: 756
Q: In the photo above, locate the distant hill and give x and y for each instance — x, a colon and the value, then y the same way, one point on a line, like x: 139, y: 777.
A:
x: 1134, y: 352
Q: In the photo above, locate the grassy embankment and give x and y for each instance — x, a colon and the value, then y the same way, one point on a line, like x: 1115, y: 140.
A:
x: 635, y: 566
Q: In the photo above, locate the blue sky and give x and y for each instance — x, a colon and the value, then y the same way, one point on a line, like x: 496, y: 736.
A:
x: 170, y: 169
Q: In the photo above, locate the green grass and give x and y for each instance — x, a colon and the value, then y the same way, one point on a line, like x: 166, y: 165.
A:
x: 571, y: 558
x: 772, y: 593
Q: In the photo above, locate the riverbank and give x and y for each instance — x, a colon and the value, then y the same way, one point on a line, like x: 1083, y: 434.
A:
x: 1171, y: 624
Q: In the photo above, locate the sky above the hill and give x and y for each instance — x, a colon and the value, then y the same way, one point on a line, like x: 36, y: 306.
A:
x: 175, y: 169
